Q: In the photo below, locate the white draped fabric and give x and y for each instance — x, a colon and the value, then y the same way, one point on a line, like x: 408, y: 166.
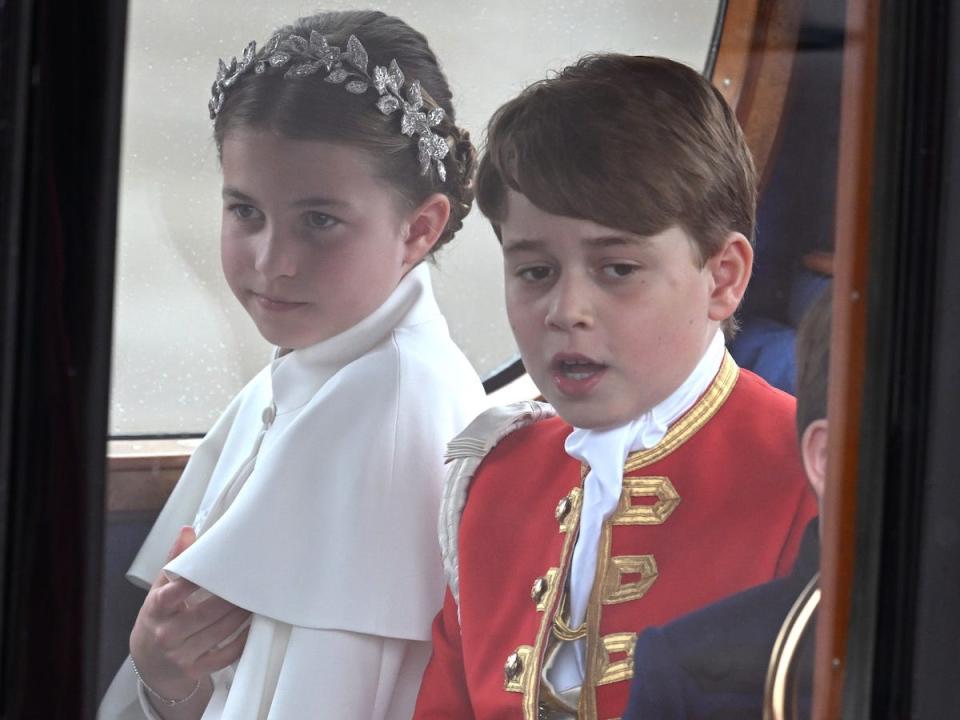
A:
x: 315, y: 499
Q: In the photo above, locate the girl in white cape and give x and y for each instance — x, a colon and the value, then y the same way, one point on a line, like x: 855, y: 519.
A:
x: 294, y: 572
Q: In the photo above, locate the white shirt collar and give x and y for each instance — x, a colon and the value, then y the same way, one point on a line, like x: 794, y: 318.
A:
x: 605, y: 452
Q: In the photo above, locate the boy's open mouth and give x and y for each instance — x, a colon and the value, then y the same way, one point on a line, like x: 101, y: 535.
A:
x: 576, y: 374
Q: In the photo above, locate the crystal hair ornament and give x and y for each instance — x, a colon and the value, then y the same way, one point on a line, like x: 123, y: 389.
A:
x: 348, y: 67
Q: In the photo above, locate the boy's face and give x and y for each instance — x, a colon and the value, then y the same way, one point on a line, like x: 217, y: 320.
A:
x: 609, y: 323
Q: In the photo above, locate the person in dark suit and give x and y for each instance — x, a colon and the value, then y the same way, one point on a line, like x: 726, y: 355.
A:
x: 712, y: 664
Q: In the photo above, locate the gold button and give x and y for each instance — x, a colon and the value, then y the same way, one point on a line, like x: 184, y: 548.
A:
x: 513, y: 667
x: 563, y: 508
x: 539, y: 589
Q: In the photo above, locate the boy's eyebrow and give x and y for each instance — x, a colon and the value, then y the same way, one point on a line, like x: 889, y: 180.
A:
x: 613, y: 240
x: 234, y: 194
x: 598, y: 242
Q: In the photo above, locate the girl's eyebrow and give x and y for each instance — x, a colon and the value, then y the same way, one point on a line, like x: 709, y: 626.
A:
x: 317, y: 200
x: 234, y: 194
x: 522, y: 244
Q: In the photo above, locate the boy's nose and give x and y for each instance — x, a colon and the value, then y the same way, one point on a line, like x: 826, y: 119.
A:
x: 570, y: 305
x: 275, y: 255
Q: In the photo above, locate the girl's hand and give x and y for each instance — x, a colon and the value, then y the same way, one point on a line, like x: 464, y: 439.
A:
x: 176, y: 645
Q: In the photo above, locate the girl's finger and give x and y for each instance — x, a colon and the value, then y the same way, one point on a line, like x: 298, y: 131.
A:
x: 219, y: 658
x: 168, y: 599
x: 192, y: 619
x: 185, y: 538
x: 207, y: 612
x: 213, y: 635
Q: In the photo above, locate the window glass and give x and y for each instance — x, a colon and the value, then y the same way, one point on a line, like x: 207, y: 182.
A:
x: 182, y: 346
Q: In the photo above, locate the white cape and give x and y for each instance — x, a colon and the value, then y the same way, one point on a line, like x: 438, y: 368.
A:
x: 315, y: 499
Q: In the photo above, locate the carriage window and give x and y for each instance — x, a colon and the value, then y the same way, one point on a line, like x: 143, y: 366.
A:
x: 183, y: 347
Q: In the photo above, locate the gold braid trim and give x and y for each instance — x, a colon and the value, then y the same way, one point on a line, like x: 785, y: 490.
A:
x: 694, y: 419
x: 588, y: 691
x: 562, y: 629
x: 569, y: 524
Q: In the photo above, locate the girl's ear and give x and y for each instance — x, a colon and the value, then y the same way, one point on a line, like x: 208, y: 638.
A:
x: 730, y: 268
x: 426, y: 223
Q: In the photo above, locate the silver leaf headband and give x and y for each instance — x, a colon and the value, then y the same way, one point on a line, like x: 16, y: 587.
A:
x: 348, y: 67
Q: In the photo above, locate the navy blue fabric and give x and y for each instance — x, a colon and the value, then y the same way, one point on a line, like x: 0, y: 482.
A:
x: 765, y: 347
x: 712, y: 664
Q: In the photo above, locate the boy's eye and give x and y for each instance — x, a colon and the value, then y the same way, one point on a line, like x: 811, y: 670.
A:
x: 319, y: 220
x: 244, y: 212
x: 619, y: 270
x: 535, y: 273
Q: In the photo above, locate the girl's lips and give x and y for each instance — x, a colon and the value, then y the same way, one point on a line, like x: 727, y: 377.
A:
x: 268, y: 303
x: 576, y: 375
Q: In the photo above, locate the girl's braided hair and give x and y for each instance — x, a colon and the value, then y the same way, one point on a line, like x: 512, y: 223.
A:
x: 311, y: 107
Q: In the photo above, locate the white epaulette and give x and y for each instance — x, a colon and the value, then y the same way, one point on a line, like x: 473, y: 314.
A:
x: 464, y: 455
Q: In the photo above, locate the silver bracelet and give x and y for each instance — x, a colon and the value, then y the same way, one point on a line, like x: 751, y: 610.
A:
x: 165, y: 700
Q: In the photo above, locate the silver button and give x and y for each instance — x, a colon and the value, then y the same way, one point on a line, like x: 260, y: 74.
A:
x: 513, y: 667
x: 269, y: 414
x: 539, y: 589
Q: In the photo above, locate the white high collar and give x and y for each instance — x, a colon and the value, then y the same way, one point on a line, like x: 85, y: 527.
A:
x: 297, y: 375
x: 604, y: 452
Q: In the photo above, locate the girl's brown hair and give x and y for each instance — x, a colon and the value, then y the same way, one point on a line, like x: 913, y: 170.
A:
x: 813, y: 361
x: 309, y: 108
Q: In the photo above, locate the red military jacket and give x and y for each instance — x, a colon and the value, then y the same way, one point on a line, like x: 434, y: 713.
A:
x: 719, y: 505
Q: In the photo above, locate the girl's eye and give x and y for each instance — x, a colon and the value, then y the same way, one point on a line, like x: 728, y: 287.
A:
x: 619, y: 270
x: 536, y: 273
x: 319, y: 220
x: 244, y: 212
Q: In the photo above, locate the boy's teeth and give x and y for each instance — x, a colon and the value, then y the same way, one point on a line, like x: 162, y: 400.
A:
x: 578, y: 369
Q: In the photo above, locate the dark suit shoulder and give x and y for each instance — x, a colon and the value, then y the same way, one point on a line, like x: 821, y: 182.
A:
x: 728, y: 644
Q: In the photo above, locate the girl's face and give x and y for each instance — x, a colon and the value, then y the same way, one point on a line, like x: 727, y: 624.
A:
x: 312, y: 241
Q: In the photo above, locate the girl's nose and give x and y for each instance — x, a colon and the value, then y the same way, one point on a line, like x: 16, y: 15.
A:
x: 570, y: 304
x: 275, y: 254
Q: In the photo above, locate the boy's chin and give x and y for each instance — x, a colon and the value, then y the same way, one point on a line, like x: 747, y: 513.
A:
x: 588, y: 415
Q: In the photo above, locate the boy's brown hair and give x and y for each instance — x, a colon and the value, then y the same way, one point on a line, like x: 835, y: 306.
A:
x: 635, y: 143
x: 813, y: 361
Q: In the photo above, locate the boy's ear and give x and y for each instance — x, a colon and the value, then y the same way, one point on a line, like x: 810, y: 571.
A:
x: 730, y: 267
x: 426, y: 223
x: 813, y: 451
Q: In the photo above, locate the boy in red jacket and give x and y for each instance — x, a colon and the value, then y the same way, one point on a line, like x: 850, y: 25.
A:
x: 662, y: 477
